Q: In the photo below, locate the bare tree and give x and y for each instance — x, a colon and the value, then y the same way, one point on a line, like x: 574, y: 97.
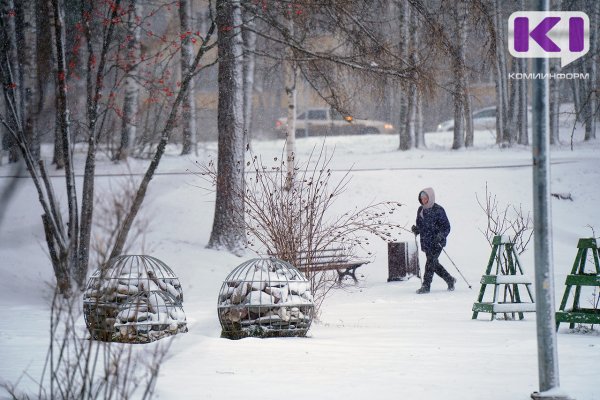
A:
x: 523, y: 112
x: 112, y: 206
x: 405, y: 114
x: 27, y: 51
x: 249, y: 37
x: 554, y: 103
x: 227, y: 232
x: 499, y: 55
x: 11, y: 72
x: 58, y: 158
x: 69, y: 243
x: 292, y: 219
x: 413, y: 91
x: 459, y: 14
x: 506, y: 220
x: 189, y: 102
x: 593, y: 97
x: 290, y: 71
x: 77, y: 368
x: 206, y: 45
x: 131, y: 86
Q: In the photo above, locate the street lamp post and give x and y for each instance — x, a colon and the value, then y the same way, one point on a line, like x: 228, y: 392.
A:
x: 542, y: 228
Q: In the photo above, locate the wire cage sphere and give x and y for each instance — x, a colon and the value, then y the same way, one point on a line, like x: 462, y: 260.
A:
x: 128, y: 286
x: 265, y: 297
x: 149, y: 316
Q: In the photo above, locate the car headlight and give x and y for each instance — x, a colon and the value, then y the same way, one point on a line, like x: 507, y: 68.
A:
x: 388, y: 126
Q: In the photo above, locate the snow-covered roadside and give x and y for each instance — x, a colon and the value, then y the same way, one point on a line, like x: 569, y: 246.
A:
x: 378, y: 338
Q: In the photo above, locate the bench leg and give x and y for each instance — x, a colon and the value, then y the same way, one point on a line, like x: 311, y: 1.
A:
x: 350, y: 271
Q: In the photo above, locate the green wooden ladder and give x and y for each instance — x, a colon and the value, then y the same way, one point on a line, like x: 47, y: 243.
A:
x: 509, y: 273
x: 579, y: 278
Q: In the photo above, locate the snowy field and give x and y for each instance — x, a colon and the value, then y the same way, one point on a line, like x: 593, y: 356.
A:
x: 374, y: 340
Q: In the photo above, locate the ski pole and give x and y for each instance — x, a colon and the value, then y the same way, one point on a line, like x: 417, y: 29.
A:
x: 444, y: 250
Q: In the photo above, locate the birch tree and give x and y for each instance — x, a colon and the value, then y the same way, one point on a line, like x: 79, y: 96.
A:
x: 189, y: 102
x: 249, y: 38
x: 415, y: 59
x: 459, y: 73
x: 499, y: 55
x: 290, y: 69
x: 413, y: 92
x: 404, y: 114
x: 131, y: 85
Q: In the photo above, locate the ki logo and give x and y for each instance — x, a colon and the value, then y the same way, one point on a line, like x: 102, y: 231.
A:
x: 540, y: 34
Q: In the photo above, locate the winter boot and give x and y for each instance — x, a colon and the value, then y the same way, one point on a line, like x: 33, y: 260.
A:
x: 423, y: 290
x: 451, y: 284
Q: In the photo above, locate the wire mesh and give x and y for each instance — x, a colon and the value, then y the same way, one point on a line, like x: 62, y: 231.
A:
x: 265, y: 297
x: 134, y: 299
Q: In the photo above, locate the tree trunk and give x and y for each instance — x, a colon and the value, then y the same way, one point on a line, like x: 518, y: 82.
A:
x: 95, y: 86
x: 249, y: 37
x: 27, y: 49
x: 228, y: 227
x: 459, y: 69
x: 523, y: 114
x: 511, y: 123
x: 64, y: 123
x: 466, y: 94
x: 554, y: 88
x: 576, y: 99
x: 468, y: 110
x: 58, y: 157
x: 590, y: 123
x: 189, y: 103
x: 405, y: 136
x: 420, y: 134
x: 501, y: 72
x: 411, y: 115
x: 290, y: 78
x: 13, y: 104
x: 131, y: 87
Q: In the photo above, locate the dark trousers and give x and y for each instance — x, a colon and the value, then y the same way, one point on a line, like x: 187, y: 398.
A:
x: 433, y: 266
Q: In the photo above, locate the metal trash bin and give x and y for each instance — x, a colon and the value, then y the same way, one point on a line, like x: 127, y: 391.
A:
x: 403, y: 261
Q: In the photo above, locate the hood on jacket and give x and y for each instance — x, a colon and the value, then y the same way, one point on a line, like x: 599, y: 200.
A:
x: 431, y: 194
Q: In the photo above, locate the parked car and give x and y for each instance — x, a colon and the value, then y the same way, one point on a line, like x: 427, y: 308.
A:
x: 327, y: 121
x: 483, y: 119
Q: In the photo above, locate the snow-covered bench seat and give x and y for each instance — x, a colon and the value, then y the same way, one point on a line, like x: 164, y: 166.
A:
x: 331, y: 259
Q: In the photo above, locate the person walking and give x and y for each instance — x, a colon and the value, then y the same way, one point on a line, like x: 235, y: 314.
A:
x: 433, y: 226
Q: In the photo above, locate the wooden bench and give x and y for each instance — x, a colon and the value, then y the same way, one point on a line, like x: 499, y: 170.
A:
x: 331, y: 259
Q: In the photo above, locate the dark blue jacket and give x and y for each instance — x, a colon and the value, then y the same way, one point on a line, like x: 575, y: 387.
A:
x: 434, y: 227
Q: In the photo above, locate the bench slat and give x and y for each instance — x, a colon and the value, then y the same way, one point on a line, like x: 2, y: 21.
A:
x: 330, y: 259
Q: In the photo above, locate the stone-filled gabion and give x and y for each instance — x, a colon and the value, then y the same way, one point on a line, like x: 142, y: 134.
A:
x: 265, y: 297
x: 133, y: 299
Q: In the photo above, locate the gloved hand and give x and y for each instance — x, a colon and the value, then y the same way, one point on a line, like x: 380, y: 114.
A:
x: 439, y: 238
x: 415, y: 229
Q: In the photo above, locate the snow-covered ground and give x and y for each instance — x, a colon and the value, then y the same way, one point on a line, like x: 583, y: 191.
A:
x: 376, y: 339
